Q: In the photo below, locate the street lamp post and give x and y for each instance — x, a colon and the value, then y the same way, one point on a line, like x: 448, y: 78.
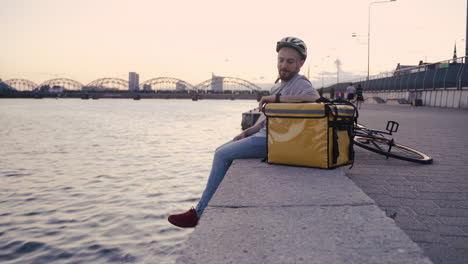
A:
x: 368, y: 33
x: 324, y: 58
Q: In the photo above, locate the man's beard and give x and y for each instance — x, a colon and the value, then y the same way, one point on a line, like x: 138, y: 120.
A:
x: 286, y: 75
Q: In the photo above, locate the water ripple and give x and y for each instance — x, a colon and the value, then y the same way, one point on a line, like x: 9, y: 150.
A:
x: 17, y: 174
x: 93, y: 182
x: 17, y: 249
x: 29, y: 247
x: 60, y: 221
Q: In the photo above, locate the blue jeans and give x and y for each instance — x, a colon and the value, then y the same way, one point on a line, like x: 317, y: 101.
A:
x: 246, y: 148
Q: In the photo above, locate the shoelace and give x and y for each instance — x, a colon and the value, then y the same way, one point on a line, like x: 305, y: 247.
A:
x: 189, y: 212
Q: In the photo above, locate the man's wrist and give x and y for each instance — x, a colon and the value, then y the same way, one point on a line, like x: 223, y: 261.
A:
x: 277, y: 98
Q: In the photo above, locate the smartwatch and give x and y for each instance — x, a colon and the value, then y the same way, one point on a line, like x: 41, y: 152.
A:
x: 277, y: 98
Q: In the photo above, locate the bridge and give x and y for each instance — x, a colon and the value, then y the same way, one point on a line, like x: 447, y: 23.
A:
x: 217, y: 84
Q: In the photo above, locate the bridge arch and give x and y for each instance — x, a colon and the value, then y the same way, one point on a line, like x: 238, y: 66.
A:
x: 166, y: 83
x: 21, y: 84
x: 66, y: 84
x: 228, y: 84
x: 106, y: 84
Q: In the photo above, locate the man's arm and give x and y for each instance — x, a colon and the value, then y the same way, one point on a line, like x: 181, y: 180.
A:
x: 253, y: 129
x: 287, y: 99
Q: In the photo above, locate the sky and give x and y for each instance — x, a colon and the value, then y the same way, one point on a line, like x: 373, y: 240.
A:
x: 190, y: 40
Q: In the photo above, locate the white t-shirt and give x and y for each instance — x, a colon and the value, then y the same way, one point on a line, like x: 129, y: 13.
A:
x: 350, y: 89
x: 298, y: 85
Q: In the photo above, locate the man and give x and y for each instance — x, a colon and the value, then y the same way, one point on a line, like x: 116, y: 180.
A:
x: 359, y: 95
x: 351, y: 92
x: 251, y: 143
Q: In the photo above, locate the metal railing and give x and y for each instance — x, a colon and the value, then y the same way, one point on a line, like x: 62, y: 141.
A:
x: 443, y: 74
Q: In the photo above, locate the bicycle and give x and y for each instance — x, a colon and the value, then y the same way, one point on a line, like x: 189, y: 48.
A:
x: 380, y: 142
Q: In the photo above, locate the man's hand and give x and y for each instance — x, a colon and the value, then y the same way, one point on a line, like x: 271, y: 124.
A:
x: 239, y: 137
x: 265, y: 100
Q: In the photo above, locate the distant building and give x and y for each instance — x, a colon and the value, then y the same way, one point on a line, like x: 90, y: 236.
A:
x: 98, y: 88
x: 146, y: 87
x: 44, y: 89
x: 56, y: 89
x: 4, y: 86
x: 217, y: 83
x: 133, y: 81
x: 422, y: 66
x: 404, y: 69
x: 455, y: 52
x: 400, y: 69
x: 180, y: 86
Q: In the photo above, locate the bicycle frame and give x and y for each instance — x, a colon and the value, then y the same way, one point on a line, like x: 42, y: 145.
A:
x: 392, y: 127
x: 378, y: 141
x: 377, y: 134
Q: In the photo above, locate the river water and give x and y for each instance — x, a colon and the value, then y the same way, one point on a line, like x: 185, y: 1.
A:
x: 93, y: 181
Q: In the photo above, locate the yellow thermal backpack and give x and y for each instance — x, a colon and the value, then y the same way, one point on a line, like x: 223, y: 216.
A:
x: 310, y: 134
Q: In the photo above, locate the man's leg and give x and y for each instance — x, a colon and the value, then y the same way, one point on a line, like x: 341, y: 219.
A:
x: 250, y: 147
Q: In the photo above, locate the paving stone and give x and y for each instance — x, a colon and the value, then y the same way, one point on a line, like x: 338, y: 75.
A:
x: 440, y: 187
x: 371, y: 182
x: 372, y: 189
x: 437, y: 194
x: 384, y: 200
x: 410, y: 223
x: 428, y: 220
x: 434, y: 211
x: 454, y: 221
x: 446, y: 230
x: 416, y: 202
x: 401, y: 181
x: 452, y: 204
x: 403, y: 194
x: 449, y: 196
x: 443, y: 254
x: 463, y: 252
x: 460, y: 241
x: 400, y: 188
x: 425, y: 236
x: 464, y: 228
x: 416, y: 178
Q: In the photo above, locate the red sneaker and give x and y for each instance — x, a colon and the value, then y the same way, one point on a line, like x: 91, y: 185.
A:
x: 187, y: 219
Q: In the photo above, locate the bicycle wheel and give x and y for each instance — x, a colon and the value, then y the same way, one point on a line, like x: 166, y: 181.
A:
x: 397, y: 151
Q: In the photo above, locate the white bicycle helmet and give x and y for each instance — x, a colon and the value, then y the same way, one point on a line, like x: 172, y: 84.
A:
x: 294, y: 43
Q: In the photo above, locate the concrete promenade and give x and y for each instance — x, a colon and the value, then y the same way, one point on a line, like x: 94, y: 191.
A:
x: 380, y: 211
x: 265, y: 213
x: 429, y: 202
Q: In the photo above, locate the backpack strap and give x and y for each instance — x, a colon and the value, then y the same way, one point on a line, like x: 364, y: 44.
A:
x: 333, y: 124
x: 346, y: 123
